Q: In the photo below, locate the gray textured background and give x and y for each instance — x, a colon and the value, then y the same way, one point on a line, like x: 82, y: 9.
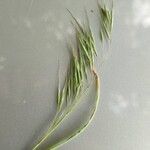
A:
x: 33, y: 35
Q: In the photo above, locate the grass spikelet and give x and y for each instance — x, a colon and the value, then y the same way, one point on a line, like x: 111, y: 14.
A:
x: 106, y: 22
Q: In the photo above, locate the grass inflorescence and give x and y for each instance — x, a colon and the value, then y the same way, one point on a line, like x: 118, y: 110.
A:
x: 81, y: 64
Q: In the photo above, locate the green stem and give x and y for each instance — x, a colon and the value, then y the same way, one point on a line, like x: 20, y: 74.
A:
x: 57, y: 121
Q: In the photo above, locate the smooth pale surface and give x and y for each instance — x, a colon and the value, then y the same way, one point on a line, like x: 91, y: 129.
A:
x: 33, y: 35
